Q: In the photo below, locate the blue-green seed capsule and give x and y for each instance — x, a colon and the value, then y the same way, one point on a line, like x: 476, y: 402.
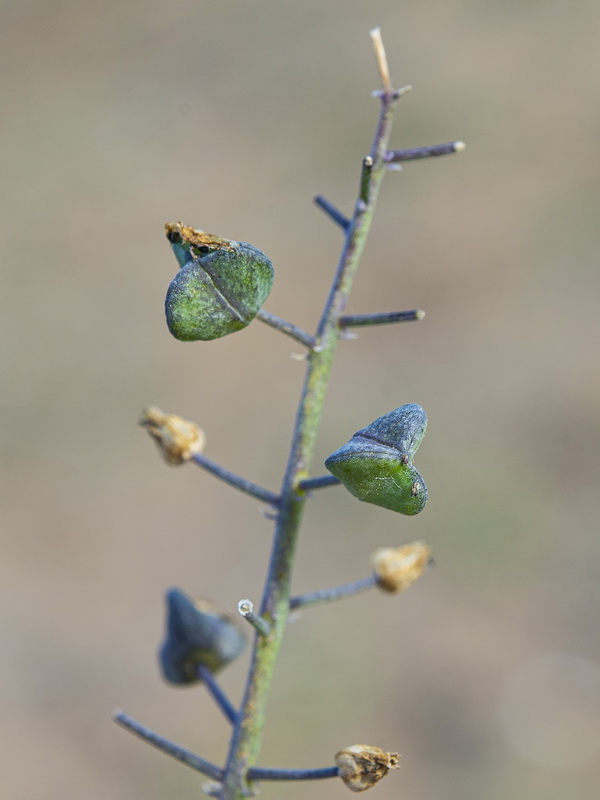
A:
x: 220, y: 287
x: 197, y: 635
x: 376, y: 464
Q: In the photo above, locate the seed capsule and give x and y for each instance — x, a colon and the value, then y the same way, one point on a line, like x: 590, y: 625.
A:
x: 220, y: 287
x: 376, y: 464
x: 197, y: 635
x: 361, y: 766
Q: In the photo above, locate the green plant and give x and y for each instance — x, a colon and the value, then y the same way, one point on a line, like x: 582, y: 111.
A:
x: 218, y: 290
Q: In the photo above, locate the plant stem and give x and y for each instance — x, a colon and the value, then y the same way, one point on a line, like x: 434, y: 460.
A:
x: 247, y: 734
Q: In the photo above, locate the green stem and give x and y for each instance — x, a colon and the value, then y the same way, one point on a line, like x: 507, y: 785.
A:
x: 246, y: 739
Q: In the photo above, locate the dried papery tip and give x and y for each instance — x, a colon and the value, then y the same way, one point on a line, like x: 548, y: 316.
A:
x: 397, y: 567
x: 361, y: 766
x: 459, y: 147
x: 380, y: 57
x: 178, y: 439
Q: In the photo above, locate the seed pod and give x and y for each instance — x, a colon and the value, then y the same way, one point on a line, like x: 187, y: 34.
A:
x: 220, y: 287
x: 178, y: 439
x: 197, y: 635
x: 361, y: 766
x: 376, y: 464
x: 397, y: 568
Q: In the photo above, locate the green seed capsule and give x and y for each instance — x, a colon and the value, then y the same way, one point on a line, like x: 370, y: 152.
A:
x: 220, y: 287
x: 376, y: 464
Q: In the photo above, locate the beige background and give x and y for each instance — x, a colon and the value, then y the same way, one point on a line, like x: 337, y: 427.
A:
x: 117, y: 117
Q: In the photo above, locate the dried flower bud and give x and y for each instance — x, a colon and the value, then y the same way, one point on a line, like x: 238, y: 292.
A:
x: 361, y: 766
x: 376, y: 464
x: 397, y: 567
x: 198, y: 634
x: 178, y: 439
x: 220, y: 287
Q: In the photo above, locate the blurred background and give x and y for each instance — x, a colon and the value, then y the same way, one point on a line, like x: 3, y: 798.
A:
x: 118, y: 117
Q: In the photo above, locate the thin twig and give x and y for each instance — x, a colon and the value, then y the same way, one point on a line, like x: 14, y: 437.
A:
x: 413, y: 153
x: 383, y: 318
x: 260, y: 625
x: 217, y: 693
x: 322, y: 482
x: 286, y: 327
x: 365, y: 179
x: 170, y: 748
x: 236, y: 480
x: 333, y: 593
x: 336, y: 215
x: 317, y: 774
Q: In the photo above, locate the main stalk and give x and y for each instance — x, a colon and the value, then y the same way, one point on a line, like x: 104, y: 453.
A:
x: 247, y: 734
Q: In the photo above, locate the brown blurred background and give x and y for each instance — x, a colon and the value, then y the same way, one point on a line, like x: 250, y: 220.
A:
x: 117, y: 117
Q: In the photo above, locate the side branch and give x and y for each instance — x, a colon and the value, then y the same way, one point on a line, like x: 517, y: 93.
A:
x: 383, y: 318
x: 413, y: 153
x: 365, y: 180
x: 317, y: 774
x: 336, y: 215
x: 286, y: 327
x: 236, y: 480
x: 217, y: 694
x: 333, y: 593
x: 321, y: 482
x: 168, y: 747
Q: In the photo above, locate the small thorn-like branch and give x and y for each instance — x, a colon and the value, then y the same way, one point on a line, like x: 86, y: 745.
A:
x: 365, y: 179
x: 286, y: 327
x: 381, y: 58
x: 217, y: 694
x: 413, y: 153
x: 322, y: 482
x: 336, y: 215
x: 236, y: 480
x: 334, y: 593
x: 383, y: 318
x: 317, y: 774
x: 168, y: 747
x: 246, y: 609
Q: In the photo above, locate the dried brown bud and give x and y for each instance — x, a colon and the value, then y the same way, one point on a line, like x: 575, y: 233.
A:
x: 397, y: 567
x: 178, y: 439
x: 361, y: 766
